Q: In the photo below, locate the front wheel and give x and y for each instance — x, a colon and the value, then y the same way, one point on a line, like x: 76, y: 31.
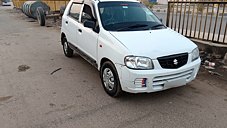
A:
x: 110, y: 80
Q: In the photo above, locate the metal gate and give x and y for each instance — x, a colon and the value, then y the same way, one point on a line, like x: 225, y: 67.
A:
x: 200, y: 19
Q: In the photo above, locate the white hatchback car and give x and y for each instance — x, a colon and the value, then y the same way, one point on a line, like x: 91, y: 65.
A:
x: 129, y: 45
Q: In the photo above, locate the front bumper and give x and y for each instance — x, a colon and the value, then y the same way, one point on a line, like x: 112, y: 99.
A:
x: 157, y: 79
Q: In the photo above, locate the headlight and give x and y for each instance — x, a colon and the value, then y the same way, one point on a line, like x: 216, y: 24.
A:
x: 135, y: 62
x: 195, y: 54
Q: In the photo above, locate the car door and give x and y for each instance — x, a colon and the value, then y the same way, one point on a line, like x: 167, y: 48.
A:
x: 70, y: 22
x: 87, y: 37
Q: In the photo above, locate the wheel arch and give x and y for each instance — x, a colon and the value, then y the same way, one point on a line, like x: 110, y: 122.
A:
x: 62, y: 36
x: 103, y: 60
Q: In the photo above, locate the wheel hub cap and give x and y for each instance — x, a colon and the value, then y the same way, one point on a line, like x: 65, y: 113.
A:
x: 65, y: 47
x: 108, y: 79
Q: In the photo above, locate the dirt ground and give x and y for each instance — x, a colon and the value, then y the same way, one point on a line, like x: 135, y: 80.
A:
x: 214, y: 79
x: 216, y: 76
x: 55, y: 23
x: 41, y: 88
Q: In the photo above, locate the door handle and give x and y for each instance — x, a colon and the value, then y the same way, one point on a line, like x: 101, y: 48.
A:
x: 66, y: 22
x: 80, y: 30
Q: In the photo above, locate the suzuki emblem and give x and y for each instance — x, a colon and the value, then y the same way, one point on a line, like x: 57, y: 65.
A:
x: 175, y: 61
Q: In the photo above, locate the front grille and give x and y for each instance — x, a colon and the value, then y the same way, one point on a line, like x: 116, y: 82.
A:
x: 159, y: 80
x: 173, y: 61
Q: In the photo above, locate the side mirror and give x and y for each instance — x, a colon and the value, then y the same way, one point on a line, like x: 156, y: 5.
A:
x: 89, y: 24
x: 160, y: 19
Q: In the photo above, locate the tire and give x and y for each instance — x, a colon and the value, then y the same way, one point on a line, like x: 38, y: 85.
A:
x: 110, y: 80
x: 67, y: 50
x: 40, y: 16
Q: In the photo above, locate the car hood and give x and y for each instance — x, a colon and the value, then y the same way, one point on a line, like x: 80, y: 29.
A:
x: 154, y: 43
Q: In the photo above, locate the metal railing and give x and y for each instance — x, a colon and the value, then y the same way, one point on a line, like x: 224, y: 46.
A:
x: 204, y: 20
x: 54, y: 4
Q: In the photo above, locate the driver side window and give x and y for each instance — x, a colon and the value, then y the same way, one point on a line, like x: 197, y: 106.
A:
x: 86, y: 14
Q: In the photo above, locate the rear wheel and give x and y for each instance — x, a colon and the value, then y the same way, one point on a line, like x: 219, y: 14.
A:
x: 67, y: 50
x: 110, y: 80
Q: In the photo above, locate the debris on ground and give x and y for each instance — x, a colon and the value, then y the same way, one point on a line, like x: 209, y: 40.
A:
x: 52, y: 105
x: 216, y: 56
x: 211, y: 57
x: 225, y: 67
x: 215, y: 73
x: 209, y: 67
x: 208, y: 63
x: 23, y: 68
x: 5, y: 98
x: 55, y: 71
x: 214, y: 62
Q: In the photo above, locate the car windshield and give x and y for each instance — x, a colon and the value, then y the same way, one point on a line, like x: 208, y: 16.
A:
x: 127, y: 16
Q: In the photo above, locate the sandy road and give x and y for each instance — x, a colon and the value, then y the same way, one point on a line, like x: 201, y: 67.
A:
x: 30, y: 97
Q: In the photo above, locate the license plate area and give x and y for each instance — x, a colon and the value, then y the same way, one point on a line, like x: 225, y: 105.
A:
x: 175, y: 83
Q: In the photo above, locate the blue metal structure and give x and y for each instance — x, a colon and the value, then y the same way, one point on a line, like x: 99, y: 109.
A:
x: 29, y: 8
x: 153, y: 0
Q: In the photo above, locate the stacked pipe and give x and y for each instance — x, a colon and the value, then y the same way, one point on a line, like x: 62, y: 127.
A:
x: 29, y: 8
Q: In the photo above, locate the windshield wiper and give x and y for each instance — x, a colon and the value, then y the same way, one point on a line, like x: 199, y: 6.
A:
x: 131, y: 27
x: 157, y: 25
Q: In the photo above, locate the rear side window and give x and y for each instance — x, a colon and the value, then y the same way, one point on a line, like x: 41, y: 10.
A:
x: 74, y: 11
